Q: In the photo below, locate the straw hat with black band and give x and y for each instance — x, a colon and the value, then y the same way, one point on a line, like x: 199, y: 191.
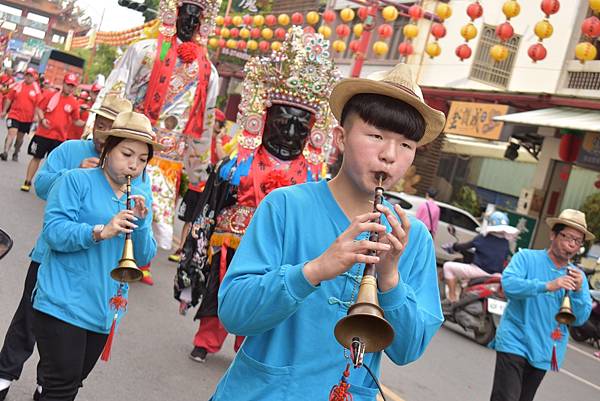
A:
x: 396, y: 83
x: 112, y: 106
x: 132, y: 125
x: 574, y: 219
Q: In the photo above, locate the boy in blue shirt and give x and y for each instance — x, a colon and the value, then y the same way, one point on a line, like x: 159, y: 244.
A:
x: 529, y: 340
x: 298, y: 266
x: 19, y: 341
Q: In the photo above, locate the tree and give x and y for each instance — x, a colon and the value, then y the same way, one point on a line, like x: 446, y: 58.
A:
x: 103, y: 62
x: 591, y: 208
x: 150, y: 15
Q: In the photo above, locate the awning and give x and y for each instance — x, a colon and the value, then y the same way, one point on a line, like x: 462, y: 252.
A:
x: 466, y: 146
x: 557, y: 117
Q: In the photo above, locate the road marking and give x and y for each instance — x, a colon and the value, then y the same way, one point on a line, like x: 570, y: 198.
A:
x: 574, y: 376
x: 586, y: 353
x: 389, y: 394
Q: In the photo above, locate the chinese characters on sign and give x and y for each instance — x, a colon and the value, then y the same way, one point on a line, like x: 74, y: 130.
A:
x: 589, y: 153
x: 475, y: 119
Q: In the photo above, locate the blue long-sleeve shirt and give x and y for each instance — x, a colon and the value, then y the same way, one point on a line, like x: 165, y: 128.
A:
x: 528, y: 320
x: 290, y: 351
x: 74, y: 283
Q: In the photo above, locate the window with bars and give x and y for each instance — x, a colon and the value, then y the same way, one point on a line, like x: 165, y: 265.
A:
x: 487, y: 70
x: 583, y: 80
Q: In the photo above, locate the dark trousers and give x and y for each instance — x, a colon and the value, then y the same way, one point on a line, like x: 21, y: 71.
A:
x: 515, y: 379
x: 67, y: 355
x: 20, y: 341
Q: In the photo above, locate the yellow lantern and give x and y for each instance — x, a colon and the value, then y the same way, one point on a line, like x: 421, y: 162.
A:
x: 339, y: 46
x: 213, y: 43
x: 219, y: 20
x: 225, y: 33
x: 595, y: 5
x: 325, y: 31
x: 389, y: 13
x: 444, y: 11
x: 380, y: 48
x: 358, y: 30
x: 543, y: 29
x: 585, y: 51
x: 468, y: 31
x: 275, y: 46
x: 411, y: 31
x: 259, y: 20
x: 232, y: 44
x: 267, y: 33
x: 283, y: 19
x: 499, y: 52
x: 252, y: 45
x: 511, y: 9
x: 433, y: 49
x: 347, y: 14
x: 237, y: 20
x: 244, y: 33
x: 312, y: 18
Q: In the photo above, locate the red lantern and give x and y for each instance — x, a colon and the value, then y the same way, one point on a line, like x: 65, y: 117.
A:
x: 550, y: 7
x: 264, y: 46
x: 255, y: 33
x: 438, y: 30
x: 342, y: 30
x: 222, y: 43
x: 537, y: 52
x: 474, y: 11
x: 363, y: 12
x: 309, y: 29
x: 247, y: 19
x: 385, y: 31
x: 227, y: 21
x: 234, y: 32
x: 270, y: 20
x: 280, y: 33
x: 568, y: 149
x: 415, y: 11
x: 463, y: 52
x: 297, y: 19
x: 218, y: 31
x: 504, y: 31
x: 329, y: 16
x: 405, y: 49
x: 354, y: 46
x: 241, y: 45
x: 591, y: 27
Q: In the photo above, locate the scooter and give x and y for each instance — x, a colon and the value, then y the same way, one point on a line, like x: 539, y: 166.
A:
x: 6, y: 243
x: 480, y: 305
x: 590, y: 330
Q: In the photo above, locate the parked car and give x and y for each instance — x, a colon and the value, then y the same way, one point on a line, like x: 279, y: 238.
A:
x: 467, y: 226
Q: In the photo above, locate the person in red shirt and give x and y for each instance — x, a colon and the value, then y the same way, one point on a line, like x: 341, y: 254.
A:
x: 6, y: 80
x: 55, y: 114
x: 20, y: 106
x: 85, y: 104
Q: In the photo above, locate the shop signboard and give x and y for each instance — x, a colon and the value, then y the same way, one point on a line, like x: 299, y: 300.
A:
x: 475, y: 119
x: 589, y: 154
x: 526, y: 226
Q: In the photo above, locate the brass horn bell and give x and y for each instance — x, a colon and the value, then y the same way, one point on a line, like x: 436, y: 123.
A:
x: 127, y: 270
x: 565, y: 314
x: 365, y: 320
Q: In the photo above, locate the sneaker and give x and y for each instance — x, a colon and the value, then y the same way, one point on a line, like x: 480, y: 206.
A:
x: 175, y: 258
x: 198, y: 354
x: 37, y: 394
x: 4, y: 156
x: 147, y: 276
x: 26, y: 186
x: 15, y: 157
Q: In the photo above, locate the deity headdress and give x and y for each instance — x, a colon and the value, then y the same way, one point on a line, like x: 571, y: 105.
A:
x: 300, y: 74
x: 167, y: 14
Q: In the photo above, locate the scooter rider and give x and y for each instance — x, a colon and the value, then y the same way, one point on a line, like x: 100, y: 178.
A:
x: 491, y: 253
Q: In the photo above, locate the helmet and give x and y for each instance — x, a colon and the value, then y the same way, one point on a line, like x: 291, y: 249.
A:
x: 498, y: 219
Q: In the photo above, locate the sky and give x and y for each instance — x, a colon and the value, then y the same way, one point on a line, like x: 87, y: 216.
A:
x: 116, y: 18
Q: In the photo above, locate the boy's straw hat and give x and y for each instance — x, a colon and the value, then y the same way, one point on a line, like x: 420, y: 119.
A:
x: 574, y: 219
x: 112, y: 106
x: 132, y: 125
x: 397, y: 83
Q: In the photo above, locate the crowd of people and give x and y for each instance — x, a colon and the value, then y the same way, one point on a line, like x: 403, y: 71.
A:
x: 250, y: 258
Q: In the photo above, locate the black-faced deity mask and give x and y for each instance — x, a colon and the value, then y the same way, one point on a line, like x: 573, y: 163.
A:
x: 188, y: 21
x: 286, y: 131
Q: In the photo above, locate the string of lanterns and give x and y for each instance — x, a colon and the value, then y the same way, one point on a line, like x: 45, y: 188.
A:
x: 505, y: 30
x: 543, y: 30
x: 438, y: 30
x: 126, y: 37
x: 411, y: 30
x: 469, y: 31
x: 586, y: 51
